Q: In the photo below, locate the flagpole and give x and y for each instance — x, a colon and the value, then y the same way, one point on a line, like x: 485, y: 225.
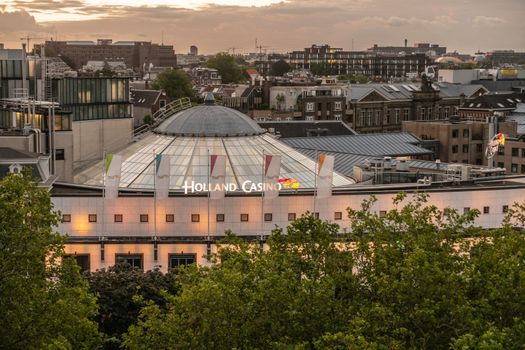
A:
x: 103, y: 198
x: 154, y: 194
x: 315, y: 178
x: 262, y: 194
x: 208, y: 152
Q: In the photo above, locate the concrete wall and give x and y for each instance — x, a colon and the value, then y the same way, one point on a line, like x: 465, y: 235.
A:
x: 92, y: 137
x: 23, y: 143
x: 457, y: 76
x: 183, y: 207
x: 64, y: 168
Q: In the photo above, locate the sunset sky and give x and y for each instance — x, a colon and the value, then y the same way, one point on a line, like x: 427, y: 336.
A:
x: 463, y: 25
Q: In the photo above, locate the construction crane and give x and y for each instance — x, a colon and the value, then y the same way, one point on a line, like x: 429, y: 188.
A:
x: 29, y: 38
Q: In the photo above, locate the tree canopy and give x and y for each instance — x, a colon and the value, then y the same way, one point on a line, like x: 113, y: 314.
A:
x: 227, y: 66
x: 175, y: 82
x: 279, y: 68
x: 44, y: 302
x: 416, y: 278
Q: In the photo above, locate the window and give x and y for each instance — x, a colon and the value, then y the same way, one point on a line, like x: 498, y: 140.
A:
x: 309, y: 117
x: 134, y: 260
x: 316, y: 215
x: 195, y: 218
x: 446, y: 112
x: 118, y: 218
x: 523, y: 152
x: 465, y: 148
x: 82, y: 260
x: 177, y: 260
x: 292, y: 216
x: 92, y: 217
x: 66, y: 217
x: 455, y: 133
x: 143, y: 217
x: 268, y: 217
x: 382, y: 213
x: 501, y: 151
x: 515, y: 152
x: 406, y: 114
x: 170, y: 218
x: 501, y: 165
x: 309, y: 107
x: 486, y: 210
x: 514, y: 168
x: 466, y: 210
x: 337, y: 105
x: 244, y: 217
x: 466, y: 132
x: 455, y: 149
x: 219, y: 217
x: 505, y: 208
x: 523, y: 168
x: 338, y: 215
x: 59, y: 154
x: 479, y: 148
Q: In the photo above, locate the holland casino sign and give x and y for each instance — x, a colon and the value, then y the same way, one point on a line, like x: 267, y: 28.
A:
x: 247, y: 187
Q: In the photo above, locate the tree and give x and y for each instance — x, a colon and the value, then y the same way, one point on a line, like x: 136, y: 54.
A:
x: 44, y: 302
x: 415, y: 278
x: 321, y: 68
x: 121, y: 290
x: 175, y: 82
x: 279, y: 68
x: 228, y: 68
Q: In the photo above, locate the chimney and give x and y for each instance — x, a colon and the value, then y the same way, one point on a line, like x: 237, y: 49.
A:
x: 406, y: 42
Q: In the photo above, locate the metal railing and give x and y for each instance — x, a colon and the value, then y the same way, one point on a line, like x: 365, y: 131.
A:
x: 162, y: 114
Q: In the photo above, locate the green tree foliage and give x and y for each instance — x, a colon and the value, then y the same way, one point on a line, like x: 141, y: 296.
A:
x: 227, y: 66
x: 415, y: 278
x: 321, y: 68
x: 44, y: 303
x: 279, y: 68
x: 354, y: 78
x: 120, y: 290
x: 175, y: 82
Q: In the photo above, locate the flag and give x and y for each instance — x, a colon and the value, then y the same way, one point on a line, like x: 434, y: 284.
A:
x: 113, y: 163
x: 217, y: 176
x: 325, y: 175
x: 162, y: 176
x: 272, y: 168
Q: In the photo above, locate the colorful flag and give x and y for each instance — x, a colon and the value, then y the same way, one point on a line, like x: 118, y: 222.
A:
x: 272, y: 168
x: 325, y: 175
x: 113, y: 164
x: 162, y: 176
x: 217, y: 176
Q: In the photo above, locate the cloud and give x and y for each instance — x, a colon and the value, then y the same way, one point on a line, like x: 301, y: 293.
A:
x: 488, y: 21
x: 17, y: 20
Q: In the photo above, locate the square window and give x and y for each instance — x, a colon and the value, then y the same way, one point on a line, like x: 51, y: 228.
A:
x: 292, y: 216
x: 219, y: 218
x: 514, y: 168
x: 143, y: 217
x: 268, y: 217
x: 455, y: 148
x: 338, y: 215
x: 244, y: 217
x: 195, y: 218
x: 66, y: 217
x: 134, y: 260
x: 92, y: 217
x: 466, y: 210
x: 118, y: 218
x: 59, y: 154
x: 177, y: 260
x: 505, y: 208
x: 170, y: 218
x: 486, y: 210
x: 382, y: 213
x: 455, y: 133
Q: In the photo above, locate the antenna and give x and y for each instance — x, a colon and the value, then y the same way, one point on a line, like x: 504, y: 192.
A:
x: 162, y: 38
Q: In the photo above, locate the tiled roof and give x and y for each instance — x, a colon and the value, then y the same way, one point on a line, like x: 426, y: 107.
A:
x: 145, y: 98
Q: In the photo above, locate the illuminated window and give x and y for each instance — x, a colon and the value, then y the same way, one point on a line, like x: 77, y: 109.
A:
x: 118, y: 218
x: 338, y: 215
x: 292, y: 216
x: 195, y: 218
x: 244, y: 217
x: 92, y: 217
x: 66, y: 217
x: 170, y: 218
x: 219, y: 218
x: 144, y: 218
x: 268, y: 217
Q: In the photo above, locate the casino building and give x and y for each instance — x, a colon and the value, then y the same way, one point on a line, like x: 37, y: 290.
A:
x: 185, y: 227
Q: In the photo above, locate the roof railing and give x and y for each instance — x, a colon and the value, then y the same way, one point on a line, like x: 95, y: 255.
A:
x: 161, y: 115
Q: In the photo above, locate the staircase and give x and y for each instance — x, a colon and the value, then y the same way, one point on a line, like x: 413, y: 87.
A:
x: 161, y: 115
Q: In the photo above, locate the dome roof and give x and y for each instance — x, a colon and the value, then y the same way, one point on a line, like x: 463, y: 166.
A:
x: 211, y: 121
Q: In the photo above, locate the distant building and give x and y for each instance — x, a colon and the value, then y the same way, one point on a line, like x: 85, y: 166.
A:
x: 146, y: 102
x: 304, y: 128
x: 482, y: 107
x: 194, y: 51
x: 136, y: 54
x: 371, y: 64
x: 323, y: 103
x: 425, y: 48
x: 202, y: 76
x: 501, y: 57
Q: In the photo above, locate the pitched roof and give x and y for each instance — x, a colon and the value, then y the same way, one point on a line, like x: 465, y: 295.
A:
x: 145, y: 98
x: 302, y: 128
x: 496, y: 101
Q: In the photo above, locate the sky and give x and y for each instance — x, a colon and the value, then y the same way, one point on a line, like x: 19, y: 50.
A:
x: 280, y: 25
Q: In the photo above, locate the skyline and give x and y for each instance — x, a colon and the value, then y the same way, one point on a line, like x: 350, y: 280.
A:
x: 465, y: 26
